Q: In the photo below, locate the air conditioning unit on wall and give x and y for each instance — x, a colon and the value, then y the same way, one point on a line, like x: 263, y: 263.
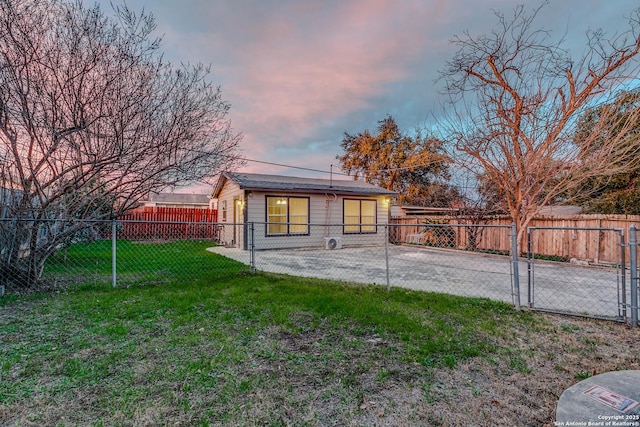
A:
x: 333, y: 243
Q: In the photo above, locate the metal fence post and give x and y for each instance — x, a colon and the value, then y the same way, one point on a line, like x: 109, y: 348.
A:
x: 253, y: 248
x: 515, y: 293
x: 634, y: 274
x: 530, y: 260
x: 622, y: 296
x: 386, y: 253
x: 113, y: 252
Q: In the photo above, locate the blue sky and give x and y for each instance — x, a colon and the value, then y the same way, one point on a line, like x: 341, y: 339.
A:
x: 299, y: 74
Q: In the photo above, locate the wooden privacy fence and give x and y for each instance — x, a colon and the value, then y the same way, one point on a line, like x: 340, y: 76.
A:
x: 452, y: 232
x: 591, y: 238
x: 165, y: 223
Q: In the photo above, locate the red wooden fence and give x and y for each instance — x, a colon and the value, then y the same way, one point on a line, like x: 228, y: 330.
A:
x: 164, y: 223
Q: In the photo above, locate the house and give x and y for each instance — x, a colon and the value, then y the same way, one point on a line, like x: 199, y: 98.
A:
x: 400, y: 211
x: 560, y: 210
x: 178, y: 200
x: 9, y: 199
x: 10, y: 196
x: 291, y: 212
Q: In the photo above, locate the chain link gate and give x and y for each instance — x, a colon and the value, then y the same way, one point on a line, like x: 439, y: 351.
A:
x: 634, y: 283
x: 578, y: 271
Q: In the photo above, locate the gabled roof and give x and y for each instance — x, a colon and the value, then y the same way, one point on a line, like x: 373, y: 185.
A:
x: 184, y: 198
x: 262, y: 182
x: 424, y: 210
x: 560, y: 210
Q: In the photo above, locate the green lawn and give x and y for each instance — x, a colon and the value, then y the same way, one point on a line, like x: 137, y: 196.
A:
x: 192, y: 338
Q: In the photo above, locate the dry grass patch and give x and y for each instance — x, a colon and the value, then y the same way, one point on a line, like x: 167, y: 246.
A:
x: 268, y: 350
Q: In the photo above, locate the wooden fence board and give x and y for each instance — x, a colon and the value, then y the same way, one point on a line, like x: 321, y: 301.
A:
x: 601, y: 245
x: 166, y: 223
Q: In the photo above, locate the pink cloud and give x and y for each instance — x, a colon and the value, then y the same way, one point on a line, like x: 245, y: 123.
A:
x: 301, y: 73
x: 293, y: 69
x: 305, y: 68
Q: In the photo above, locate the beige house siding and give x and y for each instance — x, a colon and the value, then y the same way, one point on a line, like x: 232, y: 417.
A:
x: 323, y: 210
x: 231, y: 214
x: 234, y: 204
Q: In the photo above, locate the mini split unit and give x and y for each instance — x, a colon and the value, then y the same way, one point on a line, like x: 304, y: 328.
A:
x: 333, y: 242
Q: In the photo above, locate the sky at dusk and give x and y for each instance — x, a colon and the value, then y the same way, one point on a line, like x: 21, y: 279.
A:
x: 298, y: 74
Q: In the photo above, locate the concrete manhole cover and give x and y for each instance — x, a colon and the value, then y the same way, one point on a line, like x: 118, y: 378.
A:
x: 609, y: 399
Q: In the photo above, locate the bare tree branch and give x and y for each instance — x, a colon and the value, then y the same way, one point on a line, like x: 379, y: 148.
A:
x: 516, y: 96
x: 92, y: 118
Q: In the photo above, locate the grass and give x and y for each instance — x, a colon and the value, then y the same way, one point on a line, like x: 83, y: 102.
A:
x: 138, y: 262
x: 194, y: 339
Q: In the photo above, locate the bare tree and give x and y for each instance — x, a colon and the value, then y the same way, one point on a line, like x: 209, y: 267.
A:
x: 92, y: 118
x: 516, y: 96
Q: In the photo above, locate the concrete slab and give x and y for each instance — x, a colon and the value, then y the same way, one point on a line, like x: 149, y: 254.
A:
x: 591, y: 291
x: 457, y: 273
x: 609, y: 399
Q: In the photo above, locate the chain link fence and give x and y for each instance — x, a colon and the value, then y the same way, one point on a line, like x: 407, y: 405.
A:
x: 51, y: 255
x: 634, y: 276
x: 434, y: 256
x: 578, y: 270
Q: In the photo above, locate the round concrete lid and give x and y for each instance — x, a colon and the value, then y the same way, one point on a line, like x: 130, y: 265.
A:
x: 609, y: 399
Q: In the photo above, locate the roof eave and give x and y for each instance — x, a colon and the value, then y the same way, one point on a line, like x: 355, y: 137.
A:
x: 219, y: 185
x: 354, y: 191
x: 292, y: 188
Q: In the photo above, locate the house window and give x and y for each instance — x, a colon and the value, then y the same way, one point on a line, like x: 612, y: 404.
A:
x: 224, y: 210
x: 359, y: 216
x: 287, y: 216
